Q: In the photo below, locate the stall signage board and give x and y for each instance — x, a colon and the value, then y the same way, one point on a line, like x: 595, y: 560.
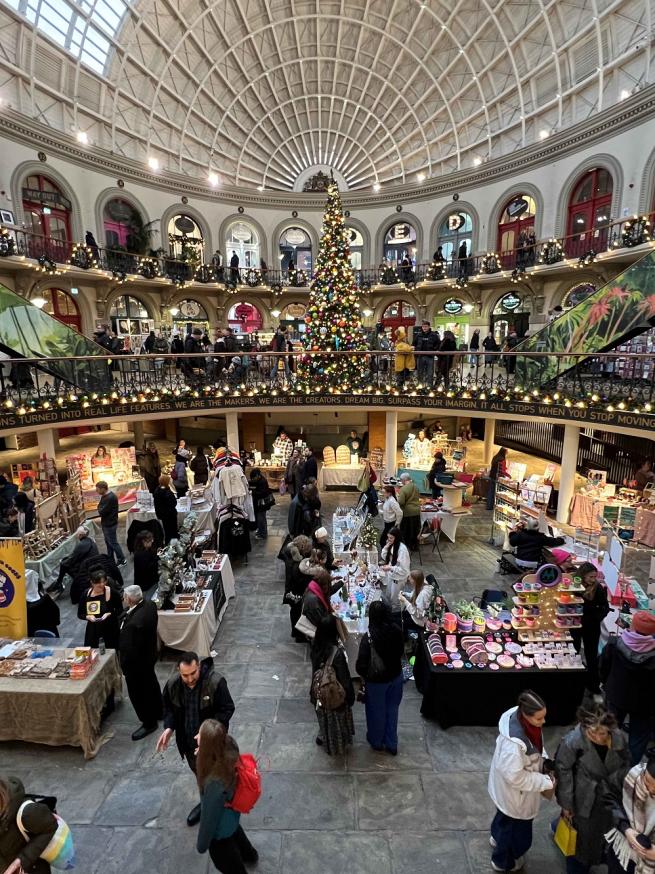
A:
x: 13, y: 601
x: 453, y: 307
x: 510, y: 302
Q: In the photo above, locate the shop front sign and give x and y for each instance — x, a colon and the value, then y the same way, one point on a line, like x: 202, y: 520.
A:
x: 510, y: 302
x: 453, y: 307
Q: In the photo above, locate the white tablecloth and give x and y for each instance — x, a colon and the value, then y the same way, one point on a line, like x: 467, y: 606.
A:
x: 449, y: 521
x: 48, y: 567
x: 339, y: 475
x: 195, y: 632
x: 357, y: 628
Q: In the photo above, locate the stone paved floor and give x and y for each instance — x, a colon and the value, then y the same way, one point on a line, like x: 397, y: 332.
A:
x: 424, y: 812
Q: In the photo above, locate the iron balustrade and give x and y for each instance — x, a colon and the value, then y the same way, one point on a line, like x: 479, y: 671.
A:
x: 605, y: 381
x: 52, y: 252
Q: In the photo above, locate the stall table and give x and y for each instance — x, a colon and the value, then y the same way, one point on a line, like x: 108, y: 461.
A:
x: 478, y: 697
x: 273, y: 473
x: 449, y: 521
x: 195, y: 632
x: 48, y: 567
x: 60, y: 712
x: 205, y: 512
x: 339, y: 476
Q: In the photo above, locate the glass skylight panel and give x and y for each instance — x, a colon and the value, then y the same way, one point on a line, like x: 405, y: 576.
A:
x: 85, y: 28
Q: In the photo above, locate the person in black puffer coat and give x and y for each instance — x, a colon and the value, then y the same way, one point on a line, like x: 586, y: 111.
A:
x: 38, y: 821
x: 200, y: 467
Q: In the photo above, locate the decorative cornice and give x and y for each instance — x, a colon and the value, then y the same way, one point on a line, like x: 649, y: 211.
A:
x: 622, y: 116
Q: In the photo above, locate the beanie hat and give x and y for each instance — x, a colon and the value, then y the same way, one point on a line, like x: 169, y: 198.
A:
x: 560, y: 555
x: 643, y: 622
x: 320, y: 533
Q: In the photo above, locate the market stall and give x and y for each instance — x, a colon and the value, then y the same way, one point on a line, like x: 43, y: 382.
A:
x: 196, y: 613
x: 339, y: 476
x: 117, y: 467
x: 448, y: 519
x: 47, y: 564
x: 500, y: 651
x: 361, y: 586
x: 56, y: 696
x: 197, y: 501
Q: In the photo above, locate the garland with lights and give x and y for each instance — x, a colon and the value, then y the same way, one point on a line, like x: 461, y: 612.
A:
x: 276, y: 288
x: 297, y: 279
x: 518, y: 275
x: 204, y: 274
x: 490, y: 264
x: 635, y: 232
x: 333, y: 319
x: 461, y: 282
x: 48, y: 266
x: 82, y: 256
x: 119, y: 276
x: 551, y: 252
x: 148, y: 268
x: 585, y: 260
x: 388, y: 276
x: 7, y: 243
x: 436, y: 271
x: 253, y: 278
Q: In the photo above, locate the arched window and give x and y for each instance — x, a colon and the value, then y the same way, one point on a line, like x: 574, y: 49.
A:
x: 577, y: 294
x: 516, y: 237
x: 131, y: 321
x: 47, y: 218
x: 589, y: 213
x: 243, y: 240
x: 296, y: 249
x: 61, y: 306
x: 356, y: 243
x: 400, y: 244
x: 124, y: 229
x: 455, y: 231
x: 399, y: 313
x: 189, y: 314
x: 185, y: 240
x: 245, y: 318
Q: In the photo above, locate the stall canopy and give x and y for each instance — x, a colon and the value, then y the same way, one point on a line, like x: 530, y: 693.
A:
x: 28, y: 332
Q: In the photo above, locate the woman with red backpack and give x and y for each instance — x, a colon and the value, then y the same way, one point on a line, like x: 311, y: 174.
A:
x: 227, y: 783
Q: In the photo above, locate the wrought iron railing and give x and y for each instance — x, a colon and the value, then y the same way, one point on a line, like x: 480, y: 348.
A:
x: 52, y: 254
x: 603, y: 383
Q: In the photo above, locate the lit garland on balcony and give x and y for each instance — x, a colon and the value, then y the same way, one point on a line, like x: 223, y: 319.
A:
x: 635, y: 233
x: 460, y: 282
x: 119, y: 276
x: 490, y: 264
x: 204, y: 274
x: 148, y: 268
x: 585, y: 260
x: 7, y: 243
x: 276, y: 289
x: 253, y: 278
x: 363, y: 387
x: 297, y: 279
x: 179, y: 282
x: 551, y: 252
x: 48, y: 266
x: 388, y: 276
x: 436, y: 271
x: 82, y: 257
x: 518, y: 275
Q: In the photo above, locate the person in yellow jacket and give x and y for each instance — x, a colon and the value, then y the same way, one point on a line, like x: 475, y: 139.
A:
x: 404, y: 358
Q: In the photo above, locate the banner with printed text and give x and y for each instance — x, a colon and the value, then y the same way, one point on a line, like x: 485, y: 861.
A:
x: 13, y: 602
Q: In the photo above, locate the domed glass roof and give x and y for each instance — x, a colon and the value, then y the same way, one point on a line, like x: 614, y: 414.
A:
x: 262, y: 91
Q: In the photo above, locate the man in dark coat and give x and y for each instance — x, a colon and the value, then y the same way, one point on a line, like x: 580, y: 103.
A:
x: 194, y: 693
x: 310, y: 466
x: 137, y: 651
x: 84, y: 548
x: 192, y: 345
x: 426, y: 340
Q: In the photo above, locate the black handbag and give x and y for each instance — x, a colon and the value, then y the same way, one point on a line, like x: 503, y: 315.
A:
x: 267, y: 502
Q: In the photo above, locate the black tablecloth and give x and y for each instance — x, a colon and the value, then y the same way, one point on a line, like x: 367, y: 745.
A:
x: 478, y: 697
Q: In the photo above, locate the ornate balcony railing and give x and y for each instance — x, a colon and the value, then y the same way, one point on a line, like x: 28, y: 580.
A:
x: 605, y: 389
x: 52, y: 255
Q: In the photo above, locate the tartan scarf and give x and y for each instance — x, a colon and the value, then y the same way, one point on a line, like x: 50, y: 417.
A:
x: 640, y: 810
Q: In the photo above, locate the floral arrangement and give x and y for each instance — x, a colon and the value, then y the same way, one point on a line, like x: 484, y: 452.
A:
x: 172, y: 563
x: 368, y: 536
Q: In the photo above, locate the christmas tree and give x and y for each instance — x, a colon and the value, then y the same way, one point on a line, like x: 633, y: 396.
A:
x: 333, y: 319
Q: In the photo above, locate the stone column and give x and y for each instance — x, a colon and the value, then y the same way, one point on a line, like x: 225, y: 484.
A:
x: 568, y: 471
x: 48, y: 442
x: 489, y: 438
x: 232, y: 428
x: 137, y: 431
x: 391, y: 442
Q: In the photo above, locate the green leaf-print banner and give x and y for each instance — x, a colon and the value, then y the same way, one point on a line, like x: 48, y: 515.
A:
x: 28, y: 332
x: 617, y: 311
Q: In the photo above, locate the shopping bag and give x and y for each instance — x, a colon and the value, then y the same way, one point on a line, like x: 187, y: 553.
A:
x: 364, y: 481
x: 566, y: 837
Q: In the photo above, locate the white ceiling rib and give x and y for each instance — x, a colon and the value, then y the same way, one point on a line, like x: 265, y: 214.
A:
x: 260, y: 91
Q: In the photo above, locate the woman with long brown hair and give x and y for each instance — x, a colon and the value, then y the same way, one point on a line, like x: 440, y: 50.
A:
x: 220, y: 831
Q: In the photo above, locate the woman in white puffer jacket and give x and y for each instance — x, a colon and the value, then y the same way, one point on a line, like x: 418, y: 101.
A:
x: 517, y: 781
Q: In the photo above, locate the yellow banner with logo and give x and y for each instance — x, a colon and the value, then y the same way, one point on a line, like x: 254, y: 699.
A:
x: 13, y: 602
